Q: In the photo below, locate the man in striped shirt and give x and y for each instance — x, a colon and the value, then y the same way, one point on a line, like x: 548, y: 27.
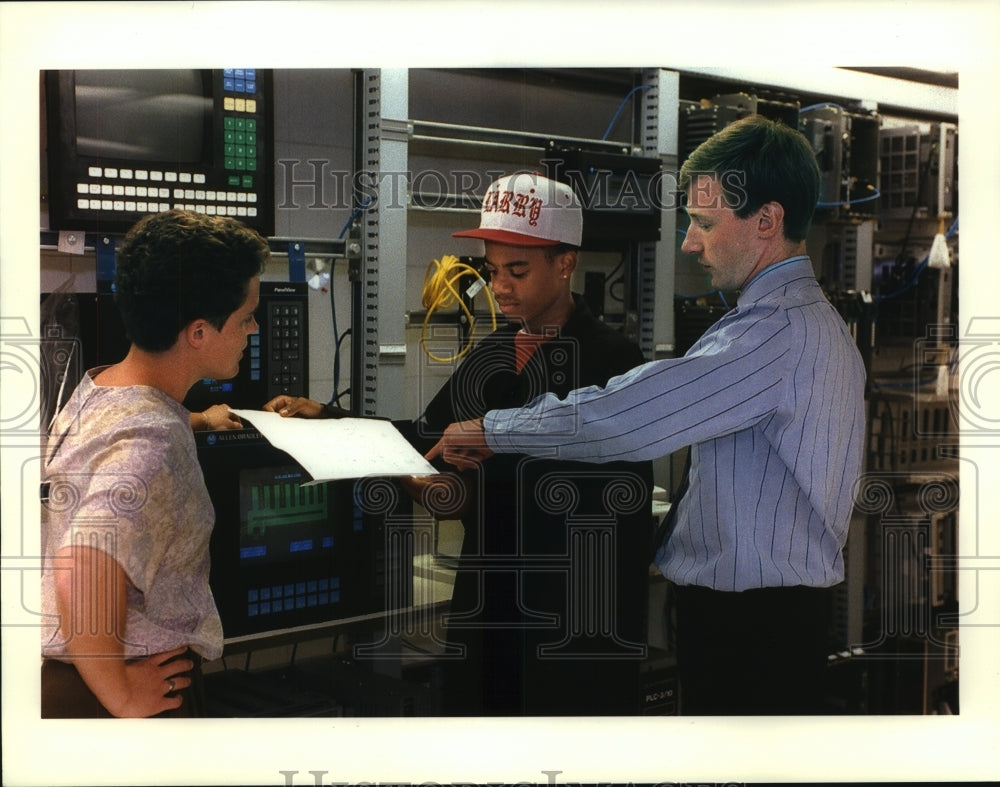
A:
x: 771, y: 402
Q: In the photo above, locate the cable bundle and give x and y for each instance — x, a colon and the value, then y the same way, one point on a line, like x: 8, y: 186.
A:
x: 441, y: 283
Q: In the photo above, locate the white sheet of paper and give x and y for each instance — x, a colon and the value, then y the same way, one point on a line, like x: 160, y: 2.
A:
x: 336, y: 448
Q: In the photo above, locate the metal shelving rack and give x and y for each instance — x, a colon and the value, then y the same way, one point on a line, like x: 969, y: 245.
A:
x: 384, y: 139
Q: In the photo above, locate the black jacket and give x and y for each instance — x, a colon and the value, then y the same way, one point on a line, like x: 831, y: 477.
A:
x: 542, y: 537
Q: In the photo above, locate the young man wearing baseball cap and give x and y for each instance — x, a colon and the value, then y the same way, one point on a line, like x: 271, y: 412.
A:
x: 544, y: 623
x: 515, y: 610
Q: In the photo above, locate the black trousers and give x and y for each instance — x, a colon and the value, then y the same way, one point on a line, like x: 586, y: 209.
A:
x: 65, y: 695
x: 756, y: 652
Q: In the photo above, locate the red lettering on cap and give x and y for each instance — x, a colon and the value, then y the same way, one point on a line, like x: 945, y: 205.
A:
x: 503, y: 206
x: 521, y: 204
x: 534, y: 211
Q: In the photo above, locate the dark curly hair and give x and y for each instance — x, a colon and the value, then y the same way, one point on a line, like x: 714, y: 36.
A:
x: 759, y: 160
x: 179, y: 266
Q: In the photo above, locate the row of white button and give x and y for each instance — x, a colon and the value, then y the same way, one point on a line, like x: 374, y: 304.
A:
x: 159, y: 207
x: 143, y: 174
x: 117, y: 190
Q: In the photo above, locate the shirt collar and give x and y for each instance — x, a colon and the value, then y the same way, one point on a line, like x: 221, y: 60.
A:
x: 775, y: 276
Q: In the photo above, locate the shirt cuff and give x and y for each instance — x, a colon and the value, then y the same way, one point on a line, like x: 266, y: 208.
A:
x: 492, y: 431
x: 513, y: 431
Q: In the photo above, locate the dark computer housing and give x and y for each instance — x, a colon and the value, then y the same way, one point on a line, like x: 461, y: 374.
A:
x: 124, y: 143
x: 288, y: 558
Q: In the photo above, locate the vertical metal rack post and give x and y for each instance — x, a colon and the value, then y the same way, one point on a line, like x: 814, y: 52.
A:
x: 381, y: 196
x: 364, y: 272
x: 658, y: 130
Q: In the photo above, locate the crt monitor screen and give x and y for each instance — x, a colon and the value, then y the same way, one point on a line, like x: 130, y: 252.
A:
x: 161, y: 115
x: 280, y: 517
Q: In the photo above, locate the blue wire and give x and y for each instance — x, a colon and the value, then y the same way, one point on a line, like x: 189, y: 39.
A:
x: 621, y: 107
x: 876, y: 195
x: 820, y: 106
x: 354, y: 215
x: 695, y: 295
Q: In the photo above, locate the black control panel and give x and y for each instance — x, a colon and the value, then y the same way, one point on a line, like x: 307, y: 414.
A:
x: 283, y: 331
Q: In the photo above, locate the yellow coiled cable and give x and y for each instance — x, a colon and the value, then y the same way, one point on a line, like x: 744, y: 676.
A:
x: 441, y: 291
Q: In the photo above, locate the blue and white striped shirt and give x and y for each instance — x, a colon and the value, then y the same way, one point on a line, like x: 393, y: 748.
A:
x: 771, y: 399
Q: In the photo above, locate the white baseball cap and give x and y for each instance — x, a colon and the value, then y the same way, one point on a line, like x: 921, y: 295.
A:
x: 529, y: 209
